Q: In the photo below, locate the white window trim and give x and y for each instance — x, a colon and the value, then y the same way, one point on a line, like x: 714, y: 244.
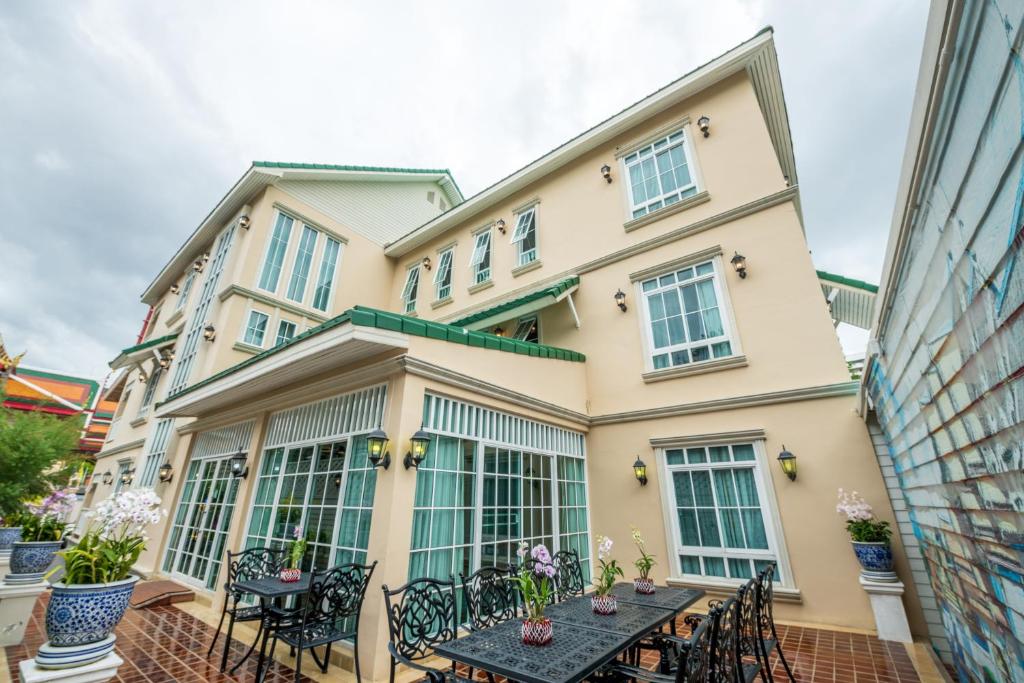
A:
x: 517, y: 243
x: 245, y: 326
x: 409, y: 305
x: 319, y: 257
x: 473, y: 266
x: 445, y: 264
x: 289, y: 247
x: 312, y: 271
x: 725, y: 312
x: 187, y: 285
x: 280, y: 321
x: 696, y: 177
x: 769, y: 507
x: 519, y: 323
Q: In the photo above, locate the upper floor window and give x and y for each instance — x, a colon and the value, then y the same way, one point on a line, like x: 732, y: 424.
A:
x: 412, y: 285
x: 525, y: 237
x: 325, y: 279
x: 527, y: 330
x: 659, y: 174
x: 443, y: 276
x: 303, y: 260
x: 150, y: 392
x: 285, y: 332
x: 480, y: 262
x: 275, y: 253
x: 186, y: 289
x: 256, y: 328
x: 686, y: 320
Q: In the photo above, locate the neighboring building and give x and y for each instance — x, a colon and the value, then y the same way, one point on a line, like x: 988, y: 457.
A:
x: 945, y: 382
x: 318, y: 303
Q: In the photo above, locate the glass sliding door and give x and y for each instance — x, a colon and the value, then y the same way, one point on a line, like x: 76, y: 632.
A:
x: 517, y: 505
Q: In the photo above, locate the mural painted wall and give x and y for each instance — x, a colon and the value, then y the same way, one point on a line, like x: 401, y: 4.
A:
x: 948, y: 381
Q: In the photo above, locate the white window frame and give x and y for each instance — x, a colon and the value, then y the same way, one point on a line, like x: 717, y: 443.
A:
x: 519, y: 333
x: 776, y: 552
x: 333, y: 272
x: 725, y: 313
x: 281, y: 323
x: 297, y: 257
x: 482, y: 244
x: 442, y: 289
x: 278, y: 215
x: 519, y: 234
x: 408, y: 301
x: 695, y: 186
x: 243, y: 338
x: 149, y: 393
x: 186, y: 289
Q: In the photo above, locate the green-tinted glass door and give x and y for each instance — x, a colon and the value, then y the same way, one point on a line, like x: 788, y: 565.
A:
x: 518, y: 504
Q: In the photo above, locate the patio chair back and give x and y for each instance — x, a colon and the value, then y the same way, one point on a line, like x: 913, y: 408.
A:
x: 490, y: 596
x: 253, y: 563
x: 697, y: 663
x: 750, y: 629
x: 768, y: 639
x: 421, y: 615
x: 569, y: 579
x: 728, y: 629
x: 337, y: 594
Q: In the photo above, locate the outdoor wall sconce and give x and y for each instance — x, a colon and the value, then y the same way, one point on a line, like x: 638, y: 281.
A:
x: 499, y: 332
x: 175, y: 289
x: 704, y: 123
x: 143, y: 378
x: 239, y: 468
x: 166, y: 472
x: 127, y: 477
x: 209, y: 332
x: 739, y: 262
x: 419, y: 444
x: 640, y: 471
x: 164, y: 362
x: 606, y: 171
x: 244, y: 222
x: 107, y: 478
x: 620, y: 300
x: 788, y: 463
x: 501, y: 225
x: 198, y: 265
x: 426, y: 262
x: 377, y: 448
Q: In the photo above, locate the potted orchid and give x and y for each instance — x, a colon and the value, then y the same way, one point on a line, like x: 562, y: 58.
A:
x: 869, y: 536
x: 603, y: 601
x: 643, y: 584
x: 43, y: 527
x: 535, y: 580
x: 92, y: 596
x: 296, y: 549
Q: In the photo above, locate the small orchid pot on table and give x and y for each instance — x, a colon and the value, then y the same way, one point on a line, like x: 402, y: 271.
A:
x: 643, y: 583
x: 869, y: 536
x: 603, y: 602
x: 296, y: 550
x: 535, y: 586
x: 42, y: 534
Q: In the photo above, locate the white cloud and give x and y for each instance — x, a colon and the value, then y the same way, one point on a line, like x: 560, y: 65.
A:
x: 51, y: 160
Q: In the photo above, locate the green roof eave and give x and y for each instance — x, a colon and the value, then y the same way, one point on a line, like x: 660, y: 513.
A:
x: 348, y: 167
x: 159, y: 341
x: 848, y: 281
x: 553, y: 291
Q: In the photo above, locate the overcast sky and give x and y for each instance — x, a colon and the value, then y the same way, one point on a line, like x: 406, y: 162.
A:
x: 123, y: 123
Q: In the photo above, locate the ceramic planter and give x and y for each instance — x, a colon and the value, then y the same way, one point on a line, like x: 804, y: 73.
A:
x: 30, y: 560
x: 537, y: 632
x: 79, y: 621
x: 8, y: 535
x: 644, y: 586
x: 604, y: 604
x: 875, y: 560
x: 290, y: 575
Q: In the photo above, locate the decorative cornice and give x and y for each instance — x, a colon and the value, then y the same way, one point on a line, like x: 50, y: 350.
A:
x: 526, y: 268
x: 692, y: 369
x: 247, y: 348
x: 438, y: 303
x: 231, y: 290
x: 523, y: 206
x: 628, y: 148
x: 741, y: 436
x: 480, y: 286
x: 665, y: 211
x: 676, y: 264
x: 138, y: 443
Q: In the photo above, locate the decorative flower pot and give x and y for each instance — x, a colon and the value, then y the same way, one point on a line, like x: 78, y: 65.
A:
x: 30, y: 560
x: 537, y: 632
x: 8, y: 535
x: 604, y: 604
x: 290, y: 575
x: 645, y: 586
x: 875, y: 560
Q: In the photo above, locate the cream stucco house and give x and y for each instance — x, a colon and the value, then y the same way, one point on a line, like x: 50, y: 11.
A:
x: 317, y: 303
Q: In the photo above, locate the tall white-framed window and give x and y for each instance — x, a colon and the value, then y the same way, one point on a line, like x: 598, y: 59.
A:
x: 276, y: 248
x: 325, y: 278
x: 480, y: 261
x: 443, y: 276
x: 527, y: 329
x: 157, y: 452
x: 721, y: 523
x: 685, y: 316
x: 303, y: 262
x: 186, y: 289
x: 524, y: 237
x: 150, y: 392
x: 660, y: 174
x: 285, y: 331
x: 255, y: 328
x: 123, y: 467
x: 411, y: 289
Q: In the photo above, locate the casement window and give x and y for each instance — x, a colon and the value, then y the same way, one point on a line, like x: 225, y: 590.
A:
x: 123, y: 466
x: 719, y: 523
x: 303, y: 261
x: 480, y: 262
x: 123, y: 403
x: 255, y: 328
x: 285, y: 332
x: 412, y: 285
x: 527, y: 330
x: 150, y: 392
x: 443, y: 276
x: 685, y: 315
x: 325, y: 279
x: 524, y: 237
x: 659, y: 174
x: 274, y: 260
x: 186, y: 289
x: 157, y: 452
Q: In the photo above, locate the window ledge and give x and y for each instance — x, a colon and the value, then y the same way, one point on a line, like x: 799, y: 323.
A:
x: 438, y: 303
x: 480, y: 286
x: 532, y: 265
x: 664, y: 211
x: 139, y: 421
x: 175, y: 317
x: 695, y: 369
x: 715, y: 586
x: 247, y: 348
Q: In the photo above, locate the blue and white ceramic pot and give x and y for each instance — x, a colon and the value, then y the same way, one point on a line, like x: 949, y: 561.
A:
x: 79, y: 621
x: 875, y: 560
x: 8, y: 535
x: 30, y: 560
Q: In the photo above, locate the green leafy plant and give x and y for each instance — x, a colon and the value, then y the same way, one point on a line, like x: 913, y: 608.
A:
x: 36, y: 528
x: 535, y: 585
x: 610, y: 569
x: 860, y: 519
x: 296, y: 548
x: 646, y: 561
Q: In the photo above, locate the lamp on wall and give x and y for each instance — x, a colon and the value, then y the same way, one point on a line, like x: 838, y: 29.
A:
x: 499, y: 332
x: 640, y: 471
x: 209, y: 332
x: 704, y: 123
x: 244, y: 222
x: 127, y: 477
x: 198, y: 265
x: 107, y: 478
x: 166, y: 472
x: 419, y: 444
x: 164, y: 362
x: 620, y: 300
x: 501, y: 225
x: 426, y: 262
x: 175, y: 289
x: 377, y: 448
x: 606, y: 172
x: 739, y: 262
x: 239, y: 467
x: 788, y: 463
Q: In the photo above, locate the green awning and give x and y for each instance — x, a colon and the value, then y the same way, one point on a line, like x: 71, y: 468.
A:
x: 520, y: 306
x: 133, y: 354
x: 850, y: 301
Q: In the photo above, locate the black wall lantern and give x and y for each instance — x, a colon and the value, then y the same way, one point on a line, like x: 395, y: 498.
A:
x: 107, y: 478
x: 788, y: 463
x: 640, y: 471
x: 620, y: 300
x: 239, y: 467
x: 209, y: 332
x: 606, y: 171
x: 166, y: 472
x: 739, y: 262
x: 419, y: 444
x: 127, y: 477
x: 501, y: 225
x: 377, y: 448
x: 704, y: 123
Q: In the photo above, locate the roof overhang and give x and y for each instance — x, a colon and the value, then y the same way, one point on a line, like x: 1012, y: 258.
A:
x: 755, y: 56
x: 519, y: 306
x: 136, y: 355
x: 849, y: 301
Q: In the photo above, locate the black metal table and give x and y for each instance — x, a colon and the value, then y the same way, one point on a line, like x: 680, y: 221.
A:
x: 666, y: 597
x: 634, y: 621
x: 267, y: 589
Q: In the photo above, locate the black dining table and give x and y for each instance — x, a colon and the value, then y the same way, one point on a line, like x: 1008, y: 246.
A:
x: 269, y: 589
x: 582, y: 641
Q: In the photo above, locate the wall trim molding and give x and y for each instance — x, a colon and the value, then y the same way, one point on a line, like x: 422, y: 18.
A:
x: 633, y: 145
x: 138, y: 443
x: 740, y: 436
x: 676, y: 264
x: 526, y: 268
x: 238, y: 290
x: 691, y: 369
x: 666, y: 211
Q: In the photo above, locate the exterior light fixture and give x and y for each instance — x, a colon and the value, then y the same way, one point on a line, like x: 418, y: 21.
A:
x: 499, y: 332
x: 377, y: 448
x: 606, y: 171
x: 142, y: 377
x: 127, y: 476
x: 239, y: 468
x: 501, y: 225
x: 107, y: 478
x: 175, y: 289
x: 198, y: 265
x: 788, y: 463
x: 209, y: 332
x: 164, y: 362
x: 166, y: 472
x: 419, y: 444
x: 640, y: 471
x: 244, y: 222
x: 426, y: 262
x: 620, y: 300
x: 704, y: 123
x: 739, y: 262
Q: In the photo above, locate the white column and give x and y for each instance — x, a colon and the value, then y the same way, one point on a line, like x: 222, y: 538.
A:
x: 887, y: 604
x: 16, y: 603
x: 102, y: 670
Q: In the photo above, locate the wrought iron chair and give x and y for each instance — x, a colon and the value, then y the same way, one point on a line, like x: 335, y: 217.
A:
x: 569, y: 579
x: 254, y: 563
x: 490, y: 596
x: 696, y: 662
x: 329, y: 613
x: 421, y: 614
x: 768, y: 639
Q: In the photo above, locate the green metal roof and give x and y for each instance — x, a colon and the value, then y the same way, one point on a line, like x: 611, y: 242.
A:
x: 361, y: 169
x: 149, y: 344
x: 848, y: 281
x: 554, y: 290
